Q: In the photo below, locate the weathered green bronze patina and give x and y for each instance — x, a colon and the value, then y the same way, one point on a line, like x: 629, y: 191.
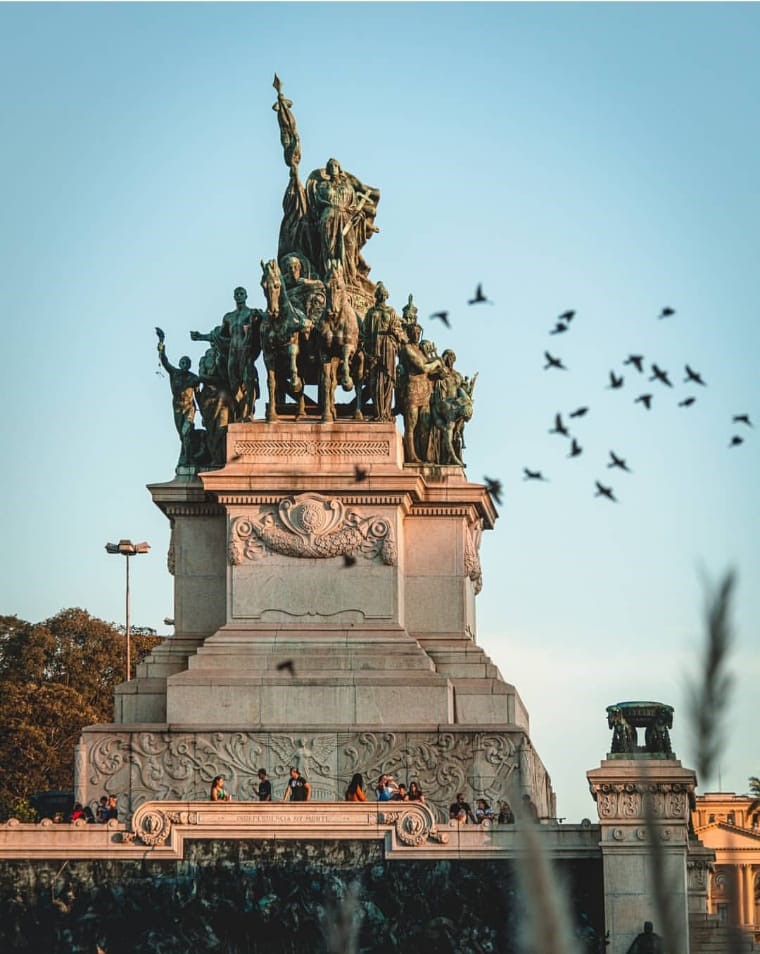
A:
x: 325, y: 324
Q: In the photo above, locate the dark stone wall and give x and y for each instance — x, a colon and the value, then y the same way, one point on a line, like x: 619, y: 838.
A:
x: 260, y: 897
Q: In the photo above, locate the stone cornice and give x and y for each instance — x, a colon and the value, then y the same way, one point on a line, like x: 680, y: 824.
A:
x: 408, y: 830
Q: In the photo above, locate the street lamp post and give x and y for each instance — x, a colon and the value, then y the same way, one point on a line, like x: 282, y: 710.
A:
x: 127, y: 549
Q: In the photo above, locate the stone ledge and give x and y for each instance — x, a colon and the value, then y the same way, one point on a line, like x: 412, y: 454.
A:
x: 408, y: 830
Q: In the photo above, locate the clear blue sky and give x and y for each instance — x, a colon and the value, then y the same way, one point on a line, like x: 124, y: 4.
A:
x: 596, y: 157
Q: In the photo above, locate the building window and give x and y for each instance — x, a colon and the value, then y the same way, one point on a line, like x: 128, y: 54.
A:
x: 731, y: 818
x: 723, y: 913
x: 710, y: 819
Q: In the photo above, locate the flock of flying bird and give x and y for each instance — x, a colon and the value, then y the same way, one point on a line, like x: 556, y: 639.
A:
x: 616, y: 381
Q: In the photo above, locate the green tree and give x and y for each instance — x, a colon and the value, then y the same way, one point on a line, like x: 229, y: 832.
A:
x: 55, y: 678
x: 754, y: 791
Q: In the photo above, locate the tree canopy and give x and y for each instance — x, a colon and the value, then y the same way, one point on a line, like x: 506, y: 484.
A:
x: 56, y: 677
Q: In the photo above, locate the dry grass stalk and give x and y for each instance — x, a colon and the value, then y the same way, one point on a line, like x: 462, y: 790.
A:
x: 708, y: 694
x: 708, y: 699
x: 343, y: 922
x: 665, y: 890
x: 548, y: 925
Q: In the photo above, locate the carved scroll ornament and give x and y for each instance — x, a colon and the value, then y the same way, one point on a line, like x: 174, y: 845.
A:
x: 311, y: 525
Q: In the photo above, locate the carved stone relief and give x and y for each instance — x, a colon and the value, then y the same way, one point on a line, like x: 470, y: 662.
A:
x: 626, y: 801
x: 472, y: 566
x: 311, y: 525
x: 152, y: 766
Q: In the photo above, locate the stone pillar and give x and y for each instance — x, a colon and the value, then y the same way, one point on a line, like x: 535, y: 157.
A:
x: 637, y: 844
x: 698, y: 866
x: 80, y: 772
x: 747, y: 890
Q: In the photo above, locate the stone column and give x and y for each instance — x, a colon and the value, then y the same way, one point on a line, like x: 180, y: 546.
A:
x: 80, y: 772
x: 748, y: 895
x: 698, y: 866
x: 639, y: 845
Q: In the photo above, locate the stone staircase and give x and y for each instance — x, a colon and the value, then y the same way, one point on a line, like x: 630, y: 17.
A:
x: 708, y: 935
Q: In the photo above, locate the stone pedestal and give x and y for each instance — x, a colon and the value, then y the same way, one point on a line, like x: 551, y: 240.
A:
x: 324, y: 602
x: 643, y: 851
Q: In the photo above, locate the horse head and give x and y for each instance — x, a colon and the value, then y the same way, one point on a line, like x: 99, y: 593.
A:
x: 271, y: 283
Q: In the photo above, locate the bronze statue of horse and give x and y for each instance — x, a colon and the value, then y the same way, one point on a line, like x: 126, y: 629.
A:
x: 338, y: 340
x: 285, y: 333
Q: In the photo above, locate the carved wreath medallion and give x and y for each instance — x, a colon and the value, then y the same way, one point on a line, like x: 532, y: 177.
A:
x: 311, y: 525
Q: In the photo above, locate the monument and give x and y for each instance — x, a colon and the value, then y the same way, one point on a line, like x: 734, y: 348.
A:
x: 326, y: 566
x: 326, y: 569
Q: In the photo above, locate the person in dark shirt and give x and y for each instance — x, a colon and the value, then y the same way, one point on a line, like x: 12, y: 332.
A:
x: 647, y: 942
x: 265, y: 786
x: 298, y: 789
x: 460, y: 810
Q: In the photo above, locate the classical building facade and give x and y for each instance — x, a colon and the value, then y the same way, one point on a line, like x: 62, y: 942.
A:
x: 724, y: 823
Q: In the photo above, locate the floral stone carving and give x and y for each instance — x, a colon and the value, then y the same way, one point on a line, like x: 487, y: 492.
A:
x: 311, y: 525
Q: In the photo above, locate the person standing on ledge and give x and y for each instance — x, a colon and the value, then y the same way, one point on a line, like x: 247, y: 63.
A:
x: 298, y: 789
x: 355, y: 790
x: 265, y: 786
x: 218, y: 793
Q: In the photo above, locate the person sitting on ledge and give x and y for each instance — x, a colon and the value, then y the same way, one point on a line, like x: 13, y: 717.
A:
x: 102, y: 810
x: 505, y: 814
x: 415, y: 793
x: 460, y: 810
x: 78, y: 812
x: 265, y: 786
x: 112, y: 809
x: 483, y: 811
x: 298, y: 789
x: 355, y: 790
x: 400, y: 795
x: 218, y: 793
x: 386, y: 786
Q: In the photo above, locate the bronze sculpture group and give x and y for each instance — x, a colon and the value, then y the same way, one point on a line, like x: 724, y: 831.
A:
x: 326, y: 323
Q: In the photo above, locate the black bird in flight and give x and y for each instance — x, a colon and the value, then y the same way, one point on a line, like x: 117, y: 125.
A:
x: 694, y: 376
x: 579, y: 412
x: 566, y: 316
x: 533, y: 474
x: 494, y: 488
x: 742, y: 419
x: 646, y: 400
x: 659, y: 375
x: 637, y: 360
x: 559, y: 427
x: 552, y: 362
x: 667, y: 312
x: 479, y: 297
x: 602, y: 491
x: 349, y: 559
x: 687, y: 402
x: 736, y: 440
x: 618, y: 462
x: 575, y: 449
x: 442, y: 316
x: 615, y: 380
x: 558, y: 329
x: 286, y: 666
x: 360, y: 473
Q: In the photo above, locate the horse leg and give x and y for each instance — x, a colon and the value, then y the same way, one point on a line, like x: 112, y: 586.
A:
x: 272, y: 389
x: 296, y: 384
x: 358, y: 416
x: 345, y: 371
x: 326, y: 385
